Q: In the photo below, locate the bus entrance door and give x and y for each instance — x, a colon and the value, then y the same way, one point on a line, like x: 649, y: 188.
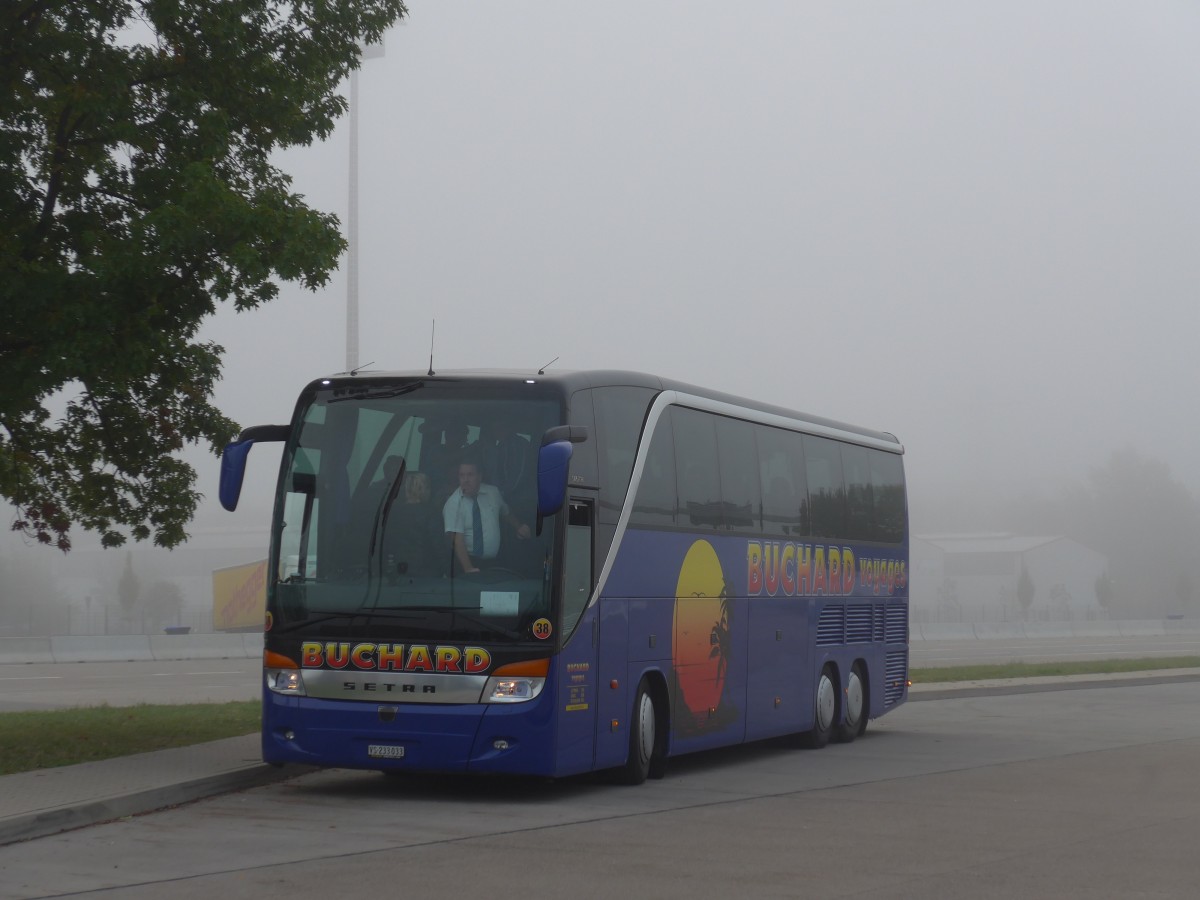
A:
x: 577, y: 685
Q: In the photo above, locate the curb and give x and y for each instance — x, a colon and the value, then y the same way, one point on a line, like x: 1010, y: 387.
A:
x: 43, y: 823
x: 1006, y: 686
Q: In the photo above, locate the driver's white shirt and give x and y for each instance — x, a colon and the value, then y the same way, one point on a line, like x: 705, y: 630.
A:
x: 456, y: 515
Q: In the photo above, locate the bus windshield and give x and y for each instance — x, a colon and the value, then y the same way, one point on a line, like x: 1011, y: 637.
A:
x: 378, y: 480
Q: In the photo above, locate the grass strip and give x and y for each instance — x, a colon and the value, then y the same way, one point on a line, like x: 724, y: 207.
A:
x: 42, y: 739
x: 941, y: 675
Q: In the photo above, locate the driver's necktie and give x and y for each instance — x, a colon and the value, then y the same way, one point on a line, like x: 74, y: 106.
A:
x: 476, y: 529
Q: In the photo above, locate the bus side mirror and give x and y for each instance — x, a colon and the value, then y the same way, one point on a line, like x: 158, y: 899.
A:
x: 233, y: 459
x: 553, y: 461
x: 554, y: 457
x: 233, y: 471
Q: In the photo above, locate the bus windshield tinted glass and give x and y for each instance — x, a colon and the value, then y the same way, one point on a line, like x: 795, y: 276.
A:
x: 381, y: 484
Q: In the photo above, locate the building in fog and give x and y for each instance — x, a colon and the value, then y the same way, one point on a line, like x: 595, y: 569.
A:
x: 978, y: 578
x: 91, y: 581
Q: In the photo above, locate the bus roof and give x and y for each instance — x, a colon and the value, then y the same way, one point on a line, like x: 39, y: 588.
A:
x: 574, y: 380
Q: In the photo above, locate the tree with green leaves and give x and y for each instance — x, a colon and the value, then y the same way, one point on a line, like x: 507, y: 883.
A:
x: 163, y: 603
x: 1185, y: 593
x: 1106, y: 591
x: 129, y: 588
x: 1025, y: 592
x: 138, y: 193
x: 30, y: 598
x: 1138, y: 515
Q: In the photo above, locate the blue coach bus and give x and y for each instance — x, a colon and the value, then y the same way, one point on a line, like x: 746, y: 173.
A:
x: 676, y: 570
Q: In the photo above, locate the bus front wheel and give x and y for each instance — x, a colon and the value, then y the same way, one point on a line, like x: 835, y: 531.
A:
x: 643, y: 737
x: 825, y: 715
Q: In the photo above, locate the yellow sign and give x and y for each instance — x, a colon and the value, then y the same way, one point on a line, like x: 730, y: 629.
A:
x: 240, y: 597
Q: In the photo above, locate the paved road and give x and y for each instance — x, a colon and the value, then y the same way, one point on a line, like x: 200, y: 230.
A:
x: 61, y: 685
x: 1082, y: 793
x: 985, y: 652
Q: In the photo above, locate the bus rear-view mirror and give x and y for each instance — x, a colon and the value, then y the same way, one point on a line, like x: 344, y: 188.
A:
x: 233, y: 459
x: 553, y: 462
x: 554, y: 459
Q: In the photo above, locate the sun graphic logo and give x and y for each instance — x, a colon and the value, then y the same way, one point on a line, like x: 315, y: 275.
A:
x: 701, y: 647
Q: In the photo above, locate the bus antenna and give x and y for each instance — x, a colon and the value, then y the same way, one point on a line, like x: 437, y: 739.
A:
x: 358, y: 369
x: 542, y: 370
x: 432, y: 332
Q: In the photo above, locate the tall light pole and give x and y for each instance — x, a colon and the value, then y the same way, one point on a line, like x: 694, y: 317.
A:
x: 370, y: 51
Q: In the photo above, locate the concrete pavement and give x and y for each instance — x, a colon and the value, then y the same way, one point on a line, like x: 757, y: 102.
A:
x: 47, y: 801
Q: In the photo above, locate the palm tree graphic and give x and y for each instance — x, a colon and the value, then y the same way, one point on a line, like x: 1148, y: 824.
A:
x: 722, y: 646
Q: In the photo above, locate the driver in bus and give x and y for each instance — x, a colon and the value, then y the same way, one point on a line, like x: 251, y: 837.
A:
x: 472, y: 517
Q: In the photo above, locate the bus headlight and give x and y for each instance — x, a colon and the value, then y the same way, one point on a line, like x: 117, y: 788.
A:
x: 512, y: 690
x: 286, y: 681
x: 516, y: 682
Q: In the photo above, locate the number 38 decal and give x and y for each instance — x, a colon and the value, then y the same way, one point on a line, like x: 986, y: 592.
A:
x: 542, y: 629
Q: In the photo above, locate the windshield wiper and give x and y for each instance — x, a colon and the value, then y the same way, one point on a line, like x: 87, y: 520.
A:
x: 378, y: 527
x: 385, y: 507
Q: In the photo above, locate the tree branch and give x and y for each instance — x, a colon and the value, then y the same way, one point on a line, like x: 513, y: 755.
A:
x: 144, y: 207
x: 54, y: 184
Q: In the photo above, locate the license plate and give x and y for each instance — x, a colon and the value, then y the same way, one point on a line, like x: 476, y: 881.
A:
x: 385, y: 751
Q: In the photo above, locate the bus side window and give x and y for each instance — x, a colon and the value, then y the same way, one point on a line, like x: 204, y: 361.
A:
x: 887, y: 481
x: 860, y: 503
x: 784, y: 486
x: 696, y: 468
x: 826, y: 492
x: 655, y: 501
x: 741, y: 499
x: 620, y: 412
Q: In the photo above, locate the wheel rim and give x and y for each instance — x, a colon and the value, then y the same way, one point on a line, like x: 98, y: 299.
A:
x: 646, y: 726
x: 854, y: 699
x: 826, y: 702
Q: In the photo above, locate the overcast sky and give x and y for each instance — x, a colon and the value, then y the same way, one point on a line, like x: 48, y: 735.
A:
x: 973, y: 225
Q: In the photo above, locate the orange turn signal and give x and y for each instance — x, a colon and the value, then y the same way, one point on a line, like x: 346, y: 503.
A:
x: 273, y: 660
x: 530, y: 668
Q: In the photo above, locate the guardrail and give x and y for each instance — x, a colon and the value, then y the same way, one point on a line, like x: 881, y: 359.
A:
x: 147, y: 647
x: 982, y: 631
x: 129, y: 648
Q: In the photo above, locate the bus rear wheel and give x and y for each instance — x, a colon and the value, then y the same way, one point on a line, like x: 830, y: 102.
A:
x: 854, y: 721
x: 643, y: 739
x: 826, y: 711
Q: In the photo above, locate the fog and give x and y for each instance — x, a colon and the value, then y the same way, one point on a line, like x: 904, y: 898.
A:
x: 974, y: 226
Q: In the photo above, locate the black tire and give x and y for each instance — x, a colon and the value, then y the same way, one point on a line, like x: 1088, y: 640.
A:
x: 826, y: 712
x: 856, y: 706
x: 643, y: 737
